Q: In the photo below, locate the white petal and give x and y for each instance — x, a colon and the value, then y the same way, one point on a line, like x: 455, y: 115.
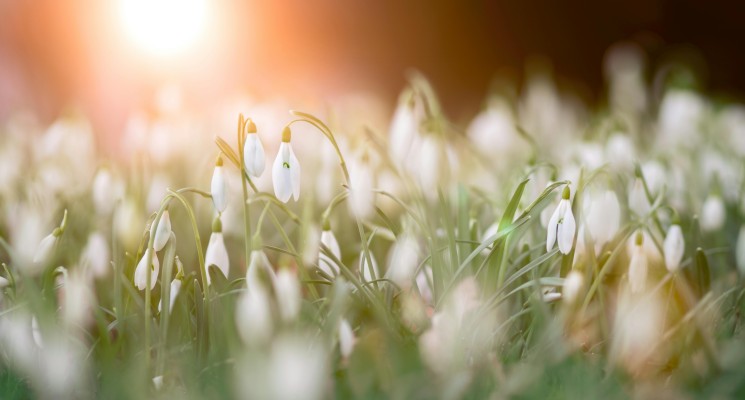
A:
x: 365, y: 271
x: 143, y: 267
x: 259, y: 269
x: 217, y: 255
x: 346, y: 338
x: 553, y: 225
x: 163, y: 231
x: 713, y: 214
x: 324, y: 262
x: 281, y: 174
x: 45, y: 249
x: 219, y: 189
x: 287, y: 289
x: 294, y: 174
x: 674, y: 247
x: 566, y: 230
x: 96, y: 255
x: 253, y: 155
x: 638, y: 270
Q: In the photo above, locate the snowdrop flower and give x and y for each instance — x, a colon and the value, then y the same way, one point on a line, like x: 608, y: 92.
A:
x: 163, y: 231
x: 287, y: 289
x: 674, y: 247
x: 4, y: 283
x: 740, y: 251
x: 77, y: 300
x: 603, y: 218
x: 431, y: 159
x: 619, y: 151
x: 638, y: 265
x: 217, y: 254
x: 423, y: 279
x: 361, y: 198
x: 148, y: 264
x: 365, y: 270
x: 175, y: 289
x: 253, y: 316
x: 572, y: 286
x: 346, y: 338
x: 402, y: 263
x: 325, y: 263
x: 106, y: 190
x: 286, y: 170
x: 404, y: 127
x: 259, y: 274
x: 46, y: 247
x: 219, y: 187
x: 253, y: 152
x: 96, y: 256
x: 638, y: 202
x: 713, y: 213
x: 561, y: 226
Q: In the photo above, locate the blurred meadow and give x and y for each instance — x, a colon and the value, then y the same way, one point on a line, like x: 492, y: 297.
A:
x: 349, y: 200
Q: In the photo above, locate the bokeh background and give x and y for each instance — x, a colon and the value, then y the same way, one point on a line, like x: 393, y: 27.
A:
x: 81, y: 53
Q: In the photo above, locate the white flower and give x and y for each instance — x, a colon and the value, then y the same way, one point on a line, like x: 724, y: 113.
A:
x: 219, y: 187
x: 106, y: 191
x: 365, y: 271
x: 162, y: 232
x: 96, y: 255
x: 287, y: 290
x: 430, y: 165
x: 175, y: 289
x: 259, y: 274
x: 404, y: 128
x: 740, y: 250
x: 572, y: 286
x: 423, y: 279
x: 346, y: 338
x: 253, y: 316
x: 713, y: 214
x: 361, y: 198
x: 286, y: 172
x: 674, y: 247
x: 148, y: 264
x: 638, y: 265
x: 403, y: 260
x: 638, y: 202
x: 561, y: 226
x: 253, y: 155
x: 217, y: 255
x: 46, y: 248
x: 3, y: 283
x: 325, y: 263
x: 603, y: 218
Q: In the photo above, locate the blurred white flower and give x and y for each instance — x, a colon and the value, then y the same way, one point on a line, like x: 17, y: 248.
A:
x: 713, y: 213
x: 674, y: 247
x: 289, y: 297
x: 404, y: 127
x: 254, y: 316
x: 638, y: 265
x: 740, y: 250
x: 638, y: 202
x: 361, y: 197
x: 403, y: 260
x: 679, y: 118
x: 423, y: 279
x: 175, y: 289
x: 157, y: 190
x: 286, y: 171
x: 162, y: 232
x: 106, y: 190
x: 217, y: 255
x: 95, y: 257
x: 126, y: 223
x: 297, y: 369
x: 365, y: 271
x: 346, y: 338
x: 603, y: 218
x: 148, y: 264
x: 573, y: 284
x: 325, y: 263
x: 78, y: 300
x: 3, y: 284
x: 45, y: 249
x: 428, y: 170
x: 253, y: 155
x: 620, y: 152
x: 561, y: 226
x: 219, y: 187
x: 260, y: 274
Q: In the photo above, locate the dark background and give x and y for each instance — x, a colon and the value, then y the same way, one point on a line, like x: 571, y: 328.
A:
x: 55, y: 53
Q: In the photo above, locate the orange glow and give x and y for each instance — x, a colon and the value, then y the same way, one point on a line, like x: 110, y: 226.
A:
x: 163, y: 27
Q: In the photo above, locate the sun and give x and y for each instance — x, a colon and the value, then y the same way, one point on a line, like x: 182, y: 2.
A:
x: 163, y: 27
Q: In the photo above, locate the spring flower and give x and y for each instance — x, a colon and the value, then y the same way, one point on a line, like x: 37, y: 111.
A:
x: 603, y: 218
x: 404, y: 127
x: 403, y: 260
x: 346, y: 338
x: 561, y: 226
x: 361, y: 197
x: 217, y: 254
x: 148, y: 264
x: 46, y: 247
x: 253, y: 152
x: 740, y: 251
x: 325, y: 263
x: 365, y: 270
x: 713, y: 213
x: 163, y: 231
x: 219, y: 187
x: 106, y: 190
x: 572, y: 286
x: 287, y: 289
x: 254, y: 316
x: 638, y: 202
x: 423, y: 279
x: 286, y: 170
x: 638, y: 265
x: 175, y: 289
x: 259, y: 274
x: 674, y: 247
x: 96, y: 256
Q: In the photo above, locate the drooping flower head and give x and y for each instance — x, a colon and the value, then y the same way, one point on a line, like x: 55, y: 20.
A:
x: 674, y: 247
x: 638, y: 264
x: 217, y: 253
x: 254, y: 159
x: 561, y: 226
x: 219, y: 187
x: 286, y: 170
